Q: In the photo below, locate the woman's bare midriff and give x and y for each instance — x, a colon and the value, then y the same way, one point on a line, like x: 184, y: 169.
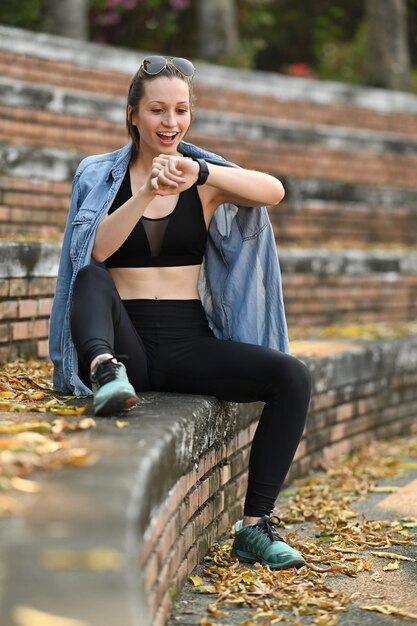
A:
x: 157, y: 283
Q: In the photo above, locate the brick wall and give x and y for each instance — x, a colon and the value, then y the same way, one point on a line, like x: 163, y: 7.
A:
x: 27, y: 286
x: 62, y: 110
x: 320, y: 288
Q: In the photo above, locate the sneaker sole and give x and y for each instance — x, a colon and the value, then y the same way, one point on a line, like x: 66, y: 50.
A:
x: 116, y: 403
x: 248, y: 557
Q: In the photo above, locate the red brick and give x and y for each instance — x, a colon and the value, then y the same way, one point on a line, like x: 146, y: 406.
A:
x: 18, y: 287
x: 21, y: 330
x: 4, y: 288
x: 43, y: 349
x: 203, y: 492
x: 4, y: 333
x: 41, y: 286
x: 8, y: 309
x: 28, y: 308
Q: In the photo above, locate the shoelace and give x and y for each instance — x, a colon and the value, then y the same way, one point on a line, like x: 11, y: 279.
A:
x: 105, y: 371
x: 270, y: 526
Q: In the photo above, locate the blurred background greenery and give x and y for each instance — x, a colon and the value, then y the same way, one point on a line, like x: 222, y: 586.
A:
x: 370, y: 42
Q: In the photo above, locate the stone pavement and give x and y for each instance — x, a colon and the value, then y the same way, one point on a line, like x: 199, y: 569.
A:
x: 396, y: 588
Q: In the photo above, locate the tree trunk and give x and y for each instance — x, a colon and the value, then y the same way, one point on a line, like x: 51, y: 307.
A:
x: 218, y: 31
x: 68, y: 18
x: 387, y: 59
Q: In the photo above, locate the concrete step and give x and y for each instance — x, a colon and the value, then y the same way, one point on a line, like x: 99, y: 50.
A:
x: 35, y: 193
x: 20, y: 94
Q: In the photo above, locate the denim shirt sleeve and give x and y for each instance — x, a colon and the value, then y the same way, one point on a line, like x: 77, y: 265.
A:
x: 95, y: 184
x: 65, y: 273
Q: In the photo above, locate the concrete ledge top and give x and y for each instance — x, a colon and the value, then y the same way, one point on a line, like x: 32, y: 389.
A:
x: 37, y: 258
x: 282, y: 87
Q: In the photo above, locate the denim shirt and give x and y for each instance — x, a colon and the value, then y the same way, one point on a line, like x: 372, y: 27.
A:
x: 240, y: 281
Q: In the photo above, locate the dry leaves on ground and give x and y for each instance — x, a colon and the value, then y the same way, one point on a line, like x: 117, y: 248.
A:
x: 28, y: 444
x: 26, y: 386
x: 367, y: 331
x: 344, y: 543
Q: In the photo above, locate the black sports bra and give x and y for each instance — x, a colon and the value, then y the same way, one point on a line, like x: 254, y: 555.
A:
x: 177, y: 239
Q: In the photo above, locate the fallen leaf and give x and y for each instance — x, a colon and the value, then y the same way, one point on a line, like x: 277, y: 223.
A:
x: 86, y: 423
x: 98, y: 559
x: 27, y: 616
x: 10, y: 427
x: 121, y: 424
x: 393, y: 555
x: 391, y: 566
x: 215, y: 612
x: 67, y: 410
x: 376, y: 577
x: 196, y: 580
x: 21, y: 484
x: 387, y: 609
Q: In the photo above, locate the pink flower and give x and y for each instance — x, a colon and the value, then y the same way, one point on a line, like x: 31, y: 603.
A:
x: 180, y: 4
x: 302, y: 70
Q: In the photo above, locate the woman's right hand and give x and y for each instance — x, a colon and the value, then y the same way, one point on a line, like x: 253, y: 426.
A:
x: 171, y: 174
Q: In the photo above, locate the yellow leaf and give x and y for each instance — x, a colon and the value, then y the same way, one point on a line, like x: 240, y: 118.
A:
x: 21, y: 484
x: 196, y: 580
x: 408, y: 465
x: 16, y: 427
x: 86, y: 423
x: 67, y: 410
x: 121, y: 424
x: 26, y: 616
x: 391, y: 566
x: 392, y: 555
x: 387, y: 609
x: 97, y: 560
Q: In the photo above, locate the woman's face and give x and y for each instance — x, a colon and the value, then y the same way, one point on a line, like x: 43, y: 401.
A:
x: 163, y: 115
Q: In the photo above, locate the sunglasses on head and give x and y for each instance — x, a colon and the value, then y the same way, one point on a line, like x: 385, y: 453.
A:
x: 155, y: 64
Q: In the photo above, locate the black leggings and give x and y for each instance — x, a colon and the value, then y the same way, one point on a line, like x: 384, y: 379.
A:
x: 170, y: 347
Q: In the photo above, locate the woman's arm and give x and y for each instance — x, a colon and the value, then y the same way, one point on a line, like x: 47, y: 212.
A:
x: 244, y: 187
x: 224, y: 184
x: 115, y: 228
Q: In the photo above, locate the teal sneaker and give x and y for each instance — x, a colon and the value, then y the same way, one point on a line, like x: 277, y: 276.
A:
x: 261, y: 543
x: 111, y: 387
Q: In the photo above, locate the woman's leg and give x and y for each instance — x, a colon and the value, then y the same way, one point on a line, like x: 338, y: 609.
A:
x: 101, y: 327
x: 245, y: 373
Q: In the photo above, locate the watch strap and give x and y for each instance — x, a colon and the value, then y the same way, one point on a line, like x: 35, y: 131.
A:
x: 204, y: 171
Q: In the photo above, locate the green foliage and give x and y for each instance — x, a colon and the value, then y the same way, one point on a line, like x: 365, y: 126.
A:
x: 324, y: 38
x: 23, y: 14
x: 154, y: 25
x: 343, y: 60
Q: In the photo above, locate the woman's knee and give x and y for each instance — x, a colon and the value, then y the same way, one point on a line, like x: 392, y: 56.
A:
x: 92, y: 277
x: 292, y: 377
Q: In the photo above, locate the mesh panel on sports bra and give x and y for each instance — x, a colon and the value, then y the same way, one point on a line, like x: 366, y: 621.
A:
x: 155, y: 231
x: 177, y: 239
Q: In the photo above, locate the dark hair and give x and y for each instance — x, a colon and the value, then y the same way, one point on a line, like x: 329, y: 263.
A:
x: 137, y: 91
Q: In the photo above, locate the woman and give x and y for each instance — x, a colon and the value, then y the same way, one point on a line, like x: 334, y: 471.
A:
x: 131, y: 282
